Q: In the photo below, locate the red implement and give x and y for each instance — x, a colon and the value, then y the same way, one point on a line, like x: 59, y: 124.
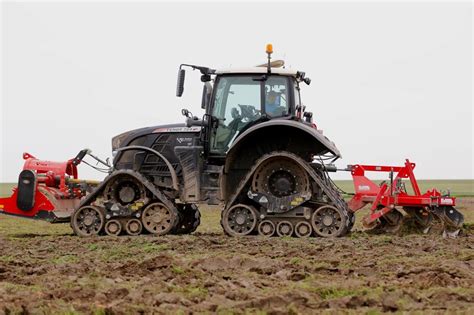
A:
x: 393, y: 193
x: 47, y: 190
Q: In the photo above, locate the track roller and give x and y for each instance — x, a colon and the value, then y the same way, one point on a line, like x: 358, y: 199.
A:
x: 303, y: 229
x: 87, y: 221
x: 113, y: 227
x: 266, y: 228
x: 158, y: 219
x: 284, y: 228
x: 133, y: 227
x: 328, y: 221
x: 239, y: 220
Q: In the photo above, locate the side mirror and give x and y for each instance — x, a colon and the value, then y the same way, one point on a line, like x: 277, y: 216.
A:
x: 206, y: 95
x: 180, y: 84
x: 194, y: 121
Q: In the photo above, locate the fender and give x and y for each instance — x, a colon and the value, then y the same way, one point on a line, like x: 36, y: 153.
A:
x: 315, y: 142
x: 316, y: 134
x: 158, y: 194
x: 174, y: 177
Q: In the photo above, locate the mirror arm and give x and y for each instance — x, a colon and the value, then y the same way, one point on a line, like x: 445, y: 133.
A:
x: 194, y: 121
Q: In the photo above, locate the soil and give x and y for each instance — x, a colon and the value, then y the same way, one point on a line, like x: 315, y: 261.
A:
x: 48, y: 270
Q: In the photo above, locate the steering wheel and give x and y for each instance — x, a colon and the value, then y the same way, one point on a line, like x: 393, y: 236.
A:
x: 249, y: 111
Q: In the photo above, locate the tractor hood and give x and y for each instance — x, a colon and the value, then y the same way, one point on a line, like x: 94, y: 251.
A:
x: 125, y: 138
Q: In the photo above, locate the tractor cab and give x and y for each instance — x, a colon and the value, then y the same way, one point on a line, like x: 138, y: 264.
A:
x: 238, y: 99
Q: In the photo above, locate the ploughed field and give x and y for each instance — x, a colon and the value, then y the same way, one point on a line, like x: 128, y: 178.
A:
x: 44, y: 268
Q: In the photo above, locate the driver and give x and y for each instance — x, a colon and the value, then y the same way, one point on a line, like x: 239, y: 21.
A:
x: 272, y: 103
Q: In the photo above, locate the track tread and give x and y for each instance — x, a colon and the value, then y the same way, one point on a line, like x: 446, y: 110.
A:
x: 328, y: 189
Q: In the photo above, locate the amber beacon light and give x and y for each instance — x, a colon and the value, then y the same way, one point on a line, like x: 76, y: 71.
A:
x: 269, y: 49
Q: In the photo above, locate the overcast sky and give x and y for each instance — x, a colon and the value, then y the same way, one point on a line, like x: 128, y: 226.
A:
x: 389, y: 81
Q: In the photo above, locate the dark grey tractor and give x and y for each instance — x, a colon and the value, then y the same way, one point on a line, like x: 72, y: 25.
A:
x: 255, y: 151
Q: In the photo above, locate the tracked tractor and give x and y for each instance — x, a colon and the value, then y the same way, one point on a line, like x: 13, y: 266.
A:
x: 255, y: 150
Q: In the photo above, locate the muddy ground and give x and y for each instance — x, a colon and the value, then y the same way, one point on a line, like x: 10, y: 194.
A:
x: 45, y: 269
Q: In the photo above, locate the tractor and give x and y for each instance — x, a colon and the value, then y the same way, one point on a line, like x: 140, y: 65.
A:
x: 256, y: 151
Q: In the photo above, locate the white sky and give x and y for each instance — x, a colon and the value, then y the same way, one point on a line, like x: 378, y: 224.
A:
x: 389, y: 81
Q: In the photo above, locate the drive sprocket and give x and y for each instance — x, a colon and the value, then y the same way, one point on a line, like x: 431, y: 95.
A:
x: 280, y: 177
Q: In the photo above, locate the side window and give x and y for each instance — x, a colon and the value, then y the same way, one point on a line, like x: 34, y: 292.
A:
x: 276, y: 96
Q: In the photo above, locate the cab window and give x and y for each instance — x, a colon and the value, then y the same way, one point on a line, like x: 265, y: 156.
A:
x: 237, y: 103
x: 276, y: 96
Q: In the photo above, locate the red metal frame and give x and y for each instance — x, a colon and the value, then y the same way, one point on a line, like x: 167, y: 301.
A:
x: 49, y: 172
x: 384, y: 198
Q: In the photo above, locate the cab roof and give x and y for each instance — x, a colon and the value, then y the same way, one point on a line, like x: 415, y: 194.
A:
x: 257, y: 70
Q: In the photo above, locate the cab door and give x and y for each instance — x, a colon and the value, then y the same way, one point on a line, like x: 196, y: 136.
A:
x: 237, y: 102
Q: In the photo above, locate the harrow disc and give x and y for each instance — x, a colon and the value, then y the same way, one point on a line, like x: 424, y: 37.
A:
x: 391, y: 221
x: 87, y: 221
x: 328, y: 221
x: 422, y: 219
x: 239, y: 220
x: 158, y: 219
x: 452, y: 217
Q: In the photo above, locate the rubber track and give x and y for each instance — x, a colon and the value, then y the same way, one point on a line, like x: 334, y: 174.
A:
x: 196, y: 222
x: 151, y: 187
x: 333, y: 195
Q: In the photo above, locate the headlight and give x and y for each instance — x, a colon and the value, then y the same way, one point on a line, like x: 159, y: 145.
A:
x: 117, y: 140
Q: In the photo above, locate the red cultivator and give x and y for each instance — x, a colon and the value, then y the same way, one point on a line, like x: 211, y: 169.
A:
x: 385, y: 199
x: 47, y: 190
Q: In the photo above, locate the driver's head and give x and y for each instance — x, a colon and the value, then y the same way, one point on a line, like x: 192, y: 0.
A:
x: 271, y: 97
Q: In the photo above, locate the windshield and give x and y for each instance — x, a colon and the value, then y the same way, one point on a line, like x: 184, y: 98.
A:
x: 238, y: 102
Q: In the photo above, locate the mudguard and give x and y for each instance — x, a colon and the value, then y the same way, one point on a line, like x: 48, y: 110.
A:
x: 313, y: 132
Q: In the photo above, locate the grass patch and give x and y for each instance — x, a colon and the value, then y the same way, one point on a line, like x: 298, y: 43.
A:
x: 66, y: 259
x: 177, y: 270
